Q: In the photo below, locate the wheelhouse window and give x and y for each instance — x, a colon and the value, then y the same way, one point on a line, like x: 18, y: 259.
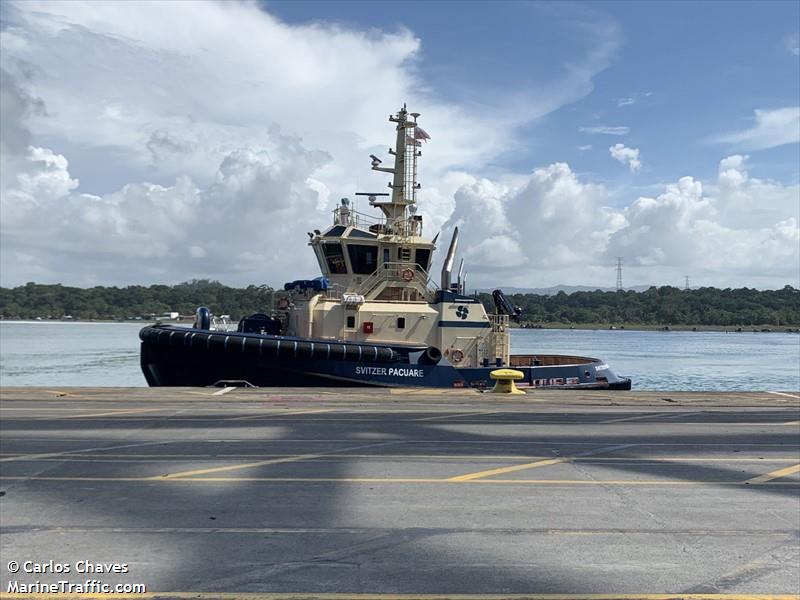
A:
x: 422, y: 257
x: 401, y: 322
x: 363, y: 258
x: 334, y: 256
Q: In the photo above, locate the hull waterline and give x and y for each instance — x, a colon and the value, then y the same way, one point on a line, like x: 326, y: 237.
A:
x: 179, y: 356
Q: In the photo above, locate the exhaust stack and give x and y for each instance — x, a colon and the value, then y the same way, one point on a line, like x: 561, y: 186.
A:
x: 447, y: 267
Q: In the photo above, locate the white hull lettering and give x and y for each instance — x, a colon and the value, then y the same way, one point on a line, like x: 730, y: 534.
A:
x: 391, y: 371
x: 406, y: 372
x: 370, y: 370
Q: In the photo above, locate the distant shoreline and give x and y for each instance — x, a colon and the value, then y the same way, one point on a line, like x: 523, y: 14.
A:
x: 766, y: 328
x: 653, y: 309
x: 666, y: 328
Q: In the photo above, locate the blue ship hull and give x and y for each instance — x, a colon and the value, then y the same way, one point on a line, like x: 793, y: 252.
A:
x: 179, y: 356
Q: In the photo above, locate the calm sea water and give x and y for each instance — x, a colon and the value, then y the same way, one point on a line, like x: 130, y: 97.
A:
x: 107, y: 354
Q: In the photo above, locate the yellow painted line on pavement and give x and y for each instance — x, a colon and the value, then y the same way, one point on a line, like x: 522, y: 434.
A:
x: 748, y: 424
x: 275, y: 461
x: 281, y: 413
x: 432, y: 392
x: 31, y: 457
x: 668, y: 461
x: 657, y: 482
x: 378, y: 596
x: 774, y: 475
x: 459, y: 415
x: 455, y: 421
x: 69, y: 396
x: 106, y: 414
x: 637, y: 418
x: 223, y: 391
x: 227, y: 468
x: 66, y: 453
x: 43, y: 408
x: 786, y: 534
x: 785, y: 394
x: 411, y: 457
x: 511, y: 469
x: 371, y: 480
x: 534, y: 465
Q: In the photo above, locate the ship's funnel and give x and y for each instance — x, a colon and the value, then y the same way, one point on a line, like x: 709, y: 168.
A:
x: 447, y: 267
x: 461, y: 277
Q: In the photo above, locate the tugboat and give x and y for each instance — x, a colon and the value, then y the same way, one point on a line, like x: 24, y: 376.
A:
x: 374, y: 318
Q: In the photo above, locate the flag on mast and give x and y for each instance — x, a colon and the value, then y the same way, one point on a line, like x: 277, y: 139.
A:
x: 420, y: 133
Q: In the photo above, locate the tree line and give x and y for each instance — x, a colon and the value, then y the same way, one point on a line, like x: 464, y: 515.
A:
x: 665, y: 305
x: 655, y: 306
x: 57, y: 301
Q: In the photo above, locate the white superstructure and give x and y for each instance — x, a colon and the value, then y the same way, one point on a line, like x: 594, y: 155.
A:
x: 376, y: 284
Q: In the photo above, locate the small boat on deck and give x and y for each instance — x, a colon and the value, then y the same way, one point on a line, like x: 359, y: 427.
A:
x: 375, y: 317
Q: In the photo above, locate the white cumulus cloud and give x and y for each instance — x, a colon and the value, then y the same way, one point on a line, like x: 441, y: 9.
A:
x: 792, y: 43
x: 606, y: 130
x: 734, y: 229
x: 631, y: 100
x: 209, y: 136
x: 627, y: 156
x: 184, y: 140
x: 150, y: 232
x: 553, y: 227
x: 772, y: 128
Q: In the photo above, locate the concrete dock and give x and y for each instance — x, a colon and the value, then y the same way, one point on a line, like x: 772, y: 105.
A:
x: 387, y: 494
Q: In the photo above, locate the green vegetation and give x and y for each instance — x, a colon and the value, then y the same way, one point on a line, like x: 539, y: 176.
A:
x: 56, y: 301
x: 663, y: 306
x: 710, y: 307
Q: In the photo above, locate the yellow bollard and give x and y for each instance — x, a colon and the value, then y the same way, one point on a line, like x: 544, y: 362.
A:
x: 505, y: 381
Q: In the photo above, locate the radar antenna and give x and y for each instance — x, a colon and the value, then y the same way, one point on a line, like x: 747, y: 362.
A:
x: 404, y: 183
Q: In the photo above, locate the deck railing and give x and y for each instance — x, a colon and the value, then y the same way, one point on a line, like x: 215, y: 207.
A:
x: 406, y: 227
x: 405, y: 273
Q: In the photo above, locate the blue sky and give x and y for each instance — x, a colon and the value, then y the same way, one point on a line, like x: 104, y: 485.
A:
x: 705, y: 64
x: 147, y: 142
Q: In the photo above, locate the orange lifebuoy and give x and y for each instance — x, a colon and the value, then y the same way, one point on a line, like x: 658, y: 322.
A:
x: 456, y: 355
x: 407, y: 275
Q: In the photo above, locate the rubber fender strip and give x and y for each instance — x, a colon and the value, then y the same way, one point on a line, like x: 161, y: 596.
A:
x: 299, y: 348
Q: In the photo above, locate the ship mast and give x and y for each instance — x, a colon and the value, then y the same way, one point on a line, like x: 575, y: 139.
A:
x: 404, y: 184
